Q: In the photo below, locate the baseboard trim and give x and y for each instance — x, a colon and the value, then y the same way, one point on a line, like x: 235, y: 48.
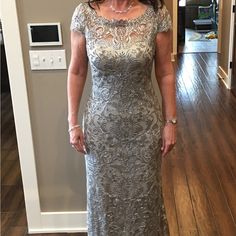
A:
x: 223, y: 76
x: 173, y: 57
x: 56, y: 230
x: 60, y: 222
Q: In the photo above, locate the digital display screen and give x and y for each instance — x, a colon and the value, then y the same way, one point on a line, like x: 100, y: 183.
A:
x: 44, y: 33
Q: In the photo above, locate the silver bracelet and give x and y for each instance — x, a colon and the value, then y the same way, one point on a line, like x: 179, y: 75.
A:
x: 171, y: 121
x: 73, y: 127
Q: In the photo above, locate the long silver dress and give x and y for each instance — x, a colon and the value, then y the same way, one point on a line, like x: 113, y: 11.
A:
x: 122, y: 124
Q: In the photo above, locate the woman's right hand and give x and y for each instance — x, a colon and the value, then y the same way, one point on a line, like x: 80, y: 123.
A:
x: 77, y: 140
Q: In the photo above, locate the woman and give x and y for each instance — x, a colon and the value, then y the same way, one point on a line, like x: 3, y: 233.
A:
x: 124, y: 135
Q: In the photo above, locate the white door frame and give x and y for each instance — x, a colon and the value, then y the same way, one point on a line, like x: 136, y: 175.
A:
x: 38, y: 222
x: 175, y: 26
x: 220, y: 26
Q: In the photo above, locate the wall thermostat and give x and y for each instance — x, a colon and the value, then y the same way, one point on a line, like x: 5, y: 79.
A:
x: 44, y: 34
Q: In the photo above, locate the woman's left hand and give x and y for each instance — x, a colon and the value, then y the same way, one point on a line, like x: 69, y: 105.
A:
x: 168, y: 138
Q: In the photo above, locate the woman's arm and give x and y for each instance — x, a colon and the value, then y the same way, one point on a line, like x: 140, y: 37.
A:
x: 165, y: 76
x: 77, y: 74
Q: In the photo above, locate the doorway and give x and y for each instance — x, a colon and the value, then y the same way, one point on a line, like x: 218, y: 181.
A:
x: 198, y: 26
x: 5, y: 86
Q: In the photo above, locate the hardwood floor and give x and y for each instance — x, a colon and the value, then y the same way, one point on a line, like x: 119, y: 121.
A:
x: 199, y: 176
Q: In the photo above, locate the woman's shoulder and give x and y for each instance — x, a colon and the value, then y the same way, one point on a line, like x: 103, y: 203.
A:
x: 163, y: 19
x: 82, y: 8
x: 79, y: 18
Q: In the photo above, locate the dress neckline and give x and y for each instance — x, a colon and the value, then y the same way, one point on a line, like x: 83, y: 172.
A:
x: 122, y: 21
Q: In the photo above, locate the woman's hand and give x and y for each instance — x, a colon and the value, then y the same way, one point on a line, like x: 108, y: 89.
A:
x: 77, y: 140
x: 168, y: 138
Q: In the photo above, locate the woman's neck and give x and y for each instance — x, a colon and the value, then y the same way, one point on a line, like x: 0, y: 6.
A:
x: 121, y: 4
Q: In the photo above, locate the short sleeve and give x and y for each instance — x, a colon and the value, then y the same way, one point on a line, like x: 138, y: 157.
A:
x: 78, y: 20
x: 163, y: 19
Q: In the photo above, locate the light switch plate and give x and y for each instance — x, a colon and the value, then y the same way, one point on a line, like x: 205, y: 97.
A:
x: 47, y: 59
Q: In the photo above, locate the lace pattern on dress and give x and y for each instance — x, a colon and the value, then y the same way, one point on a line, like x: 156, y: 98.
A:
x: 122, y: 123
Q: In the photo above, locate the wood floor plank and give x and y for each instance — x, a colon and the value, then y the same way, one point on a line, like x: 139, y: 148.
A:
x: 184, y: 209
x: 10, y: 172
x: 203, y: 214
x: 15, y: 231
x: 12, y: 198
x: 230, y: 193
x: 198, y: 113
x: 10, y: 154
x: 6, y: 221
x: 226, y: 145
x: 216, y: 196
x: 169, y: 198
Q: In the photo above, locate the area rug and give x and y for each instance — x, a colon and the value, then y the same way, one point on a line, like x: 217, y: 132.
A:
x: 197, y: 37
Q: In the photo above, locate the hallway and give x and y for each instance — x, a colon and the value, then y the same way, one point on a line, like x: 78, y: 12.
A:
x: 199, y: 177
